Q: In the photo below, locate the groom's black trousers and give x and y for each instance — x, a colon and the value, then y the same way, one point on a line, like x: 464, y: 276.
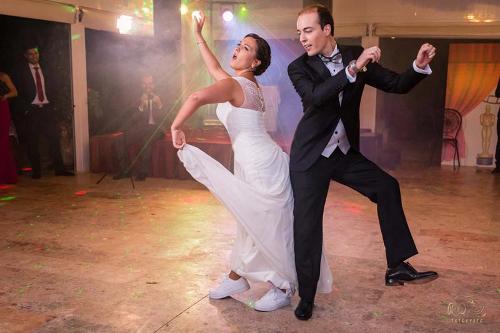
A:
x: 310, y: 189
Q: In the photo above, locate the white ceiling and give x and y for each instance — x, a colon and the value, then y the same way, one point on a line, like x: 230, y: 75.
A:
x: 279, y: 16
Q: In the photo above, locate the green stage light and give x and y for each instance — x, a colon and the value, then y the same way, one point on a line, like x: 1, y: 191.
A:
x: 243, y: 12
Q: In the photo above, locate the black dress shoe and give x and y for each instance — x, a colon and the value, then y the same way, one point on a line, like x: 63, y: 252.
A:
x: 64, y: 173
x: 304, y: 310
x: 405, y: 272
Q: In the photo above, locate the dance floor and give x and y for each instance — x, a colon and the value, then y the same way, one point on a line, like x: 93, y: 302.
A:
x: 80, y: 257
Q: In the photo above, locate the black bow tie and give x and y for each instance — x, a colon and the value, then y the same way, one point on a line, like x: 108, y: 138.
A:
x: 336, y: 58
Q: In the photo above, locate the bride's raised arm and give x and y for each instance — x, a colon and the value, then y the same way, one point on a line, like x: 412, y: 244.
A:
x: 213, y: 65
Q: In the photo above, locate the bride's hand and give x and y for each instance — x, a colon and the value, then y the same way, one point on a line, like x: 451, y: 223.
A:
x: 178, y: 138
x: 198, y: 20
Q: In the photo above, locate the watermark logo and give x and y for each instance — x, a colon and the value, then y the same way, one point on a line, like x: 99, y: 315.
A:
x: 466, y: 310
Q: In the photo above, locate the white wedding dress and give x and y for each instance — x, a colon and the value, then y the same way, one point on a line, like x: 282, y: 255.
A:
x: 259, y: 194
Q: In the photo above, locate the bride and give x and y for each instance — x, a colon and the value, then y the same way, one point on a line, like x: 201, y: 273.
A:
x: 259, y: 193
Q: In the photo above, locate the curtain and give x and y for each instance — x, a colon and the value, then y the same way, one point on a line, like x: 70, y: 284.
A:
x: 473, y: 71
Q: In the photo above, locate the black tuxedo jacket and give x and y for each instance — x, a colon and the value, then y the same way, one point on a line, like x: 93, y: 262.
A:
x: 26, y: 87
x: 138, y: 120
x: 141, y: 118
x: 319, y: 94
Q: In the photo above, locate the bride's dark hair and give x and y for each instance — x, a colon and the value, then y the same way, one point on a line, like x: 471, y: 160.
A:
x: 263, y: 54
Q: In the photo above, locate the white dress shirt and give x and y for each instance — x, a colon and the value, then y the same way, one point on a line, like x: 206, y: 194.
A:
x: 339, y: 136
x: 151, y: 120
x: 149, y: 107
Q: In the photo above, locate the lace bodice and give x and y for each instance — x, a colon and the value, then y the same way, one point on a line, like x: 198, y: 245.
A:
x: 245, y: 124
x: 254, y: 99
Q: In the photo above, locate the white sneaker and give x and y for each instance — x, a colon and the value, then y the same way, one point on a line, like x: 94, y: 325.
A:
x: 228, y: 287
x: 272, y: 300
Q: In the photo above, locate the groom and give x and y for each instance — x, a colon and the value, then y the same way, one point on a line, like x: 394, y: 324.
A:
x: 329, y: 79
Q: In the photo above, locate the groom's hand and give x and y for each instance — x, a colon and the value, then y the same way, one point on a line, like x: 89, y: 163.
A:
x: 371, y: 54
x: 425, y: 55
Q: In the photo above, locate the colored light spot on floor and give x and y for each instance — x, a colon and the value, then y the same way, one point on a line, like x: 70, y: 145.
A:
x: 27, y: 169
x: 5, y: 187
x: 7, y: 198
x: 80, y: 193
x: 352, y: 207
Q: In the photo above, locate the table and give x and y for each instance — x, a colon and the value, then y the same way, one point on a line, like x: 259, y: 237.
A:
x: 164, y: 161
x: 215, y: 143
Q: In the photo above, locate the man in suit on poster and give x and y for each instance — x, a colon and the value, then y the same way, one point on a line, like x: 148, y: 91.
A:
x: 34, y: 112
x: 330, y: 79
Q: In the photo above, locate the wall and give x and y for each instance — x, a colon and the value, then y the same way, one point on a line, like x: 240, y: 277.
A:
x: 98, y: 15
x: 412, y: 123
x: 277, y: 20
x: 53, y: 40
x: 387, y: 17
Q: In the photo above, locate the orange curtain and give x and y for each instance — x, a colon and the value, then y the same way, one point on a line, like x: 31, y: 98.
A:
x: 473, y: 71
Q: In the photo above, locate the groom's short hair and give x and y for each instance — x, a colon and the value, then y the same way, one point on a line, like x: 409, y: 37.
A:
x: 324, y: 15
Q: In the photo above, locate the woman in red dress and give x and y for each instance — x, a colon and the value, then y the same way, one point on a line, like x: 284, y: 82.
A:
x: 8, y: 171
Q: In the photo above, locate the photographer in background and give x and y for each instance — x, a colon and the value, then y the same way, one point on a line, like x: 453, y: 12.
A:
x: 140, y: 132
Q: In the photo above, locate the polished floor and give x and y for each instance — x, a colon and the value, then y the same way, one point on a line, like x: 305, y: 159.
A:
x: 80, y: 257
